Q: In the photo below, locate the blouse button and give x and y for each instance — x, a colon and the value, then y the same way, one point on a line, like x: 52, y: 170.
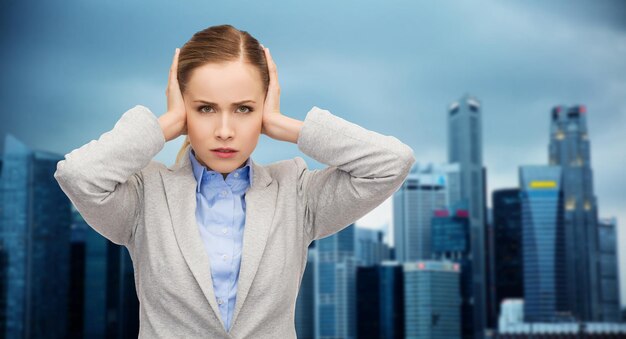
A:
x: 224, y: 230
x: 236, y: 175
x: 224, y: 256
x: 224, y: 193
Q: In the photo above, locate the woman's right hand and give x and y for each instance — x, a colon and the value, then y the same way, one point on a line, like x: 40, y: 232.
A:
x: 174, y: 121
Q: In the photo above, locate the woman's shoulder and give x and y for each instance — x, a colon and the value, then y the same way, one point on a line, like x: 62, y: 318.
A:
x: 286, y: 168
x: 154, y: 167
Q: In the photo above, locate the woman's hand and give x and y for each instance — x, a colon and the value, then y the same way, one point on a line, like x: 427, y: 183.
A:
x: 276, y: 125
x: 174, y: 121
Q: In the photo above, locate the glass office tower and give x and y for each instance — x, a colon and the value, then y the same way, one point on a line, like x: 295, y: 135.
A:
x: 335, y: 285
x: 543, y: 244
x: 465, y: 147
x: 380, y: 301
x: 426, y: 189
x: 35, y: 232
x: 609, y: 270
x: 450, y: 240
x: 432, y: 302
x: 305, y: 302
x: 507, y: 224
x: 570, y: 149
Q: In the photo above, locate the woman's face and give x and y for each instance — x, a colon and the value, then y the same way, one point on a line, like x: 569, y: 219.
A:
x: 224, y: 104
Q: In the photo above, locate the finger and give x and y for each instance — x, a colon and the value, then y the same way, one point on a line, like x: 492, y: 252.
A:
x: 271, y: 65
x: 273, y: 92
x: 173, y: 70
x: 176, y: 62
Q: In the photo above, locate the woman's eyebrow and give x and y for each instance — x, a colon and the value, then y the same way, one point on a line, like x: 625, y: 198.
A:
x: 233, y: 104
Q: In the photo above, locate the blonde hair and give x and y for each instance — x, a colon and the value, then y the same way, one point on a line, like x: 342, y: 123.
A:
x: 217, y: 44
x: 183, y: 150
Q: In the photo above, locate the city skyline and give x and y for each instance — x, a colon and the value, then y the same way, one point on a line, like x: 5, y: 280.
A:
x: 395, y: 70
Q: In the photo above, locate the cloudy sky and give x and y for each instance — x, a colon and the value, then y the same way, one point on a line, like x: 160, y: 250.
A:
x: 71, y: 70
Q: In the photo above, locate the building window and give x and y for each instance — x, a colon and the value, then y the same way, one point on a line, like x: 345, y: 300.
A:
x: 570, y: 205
x: 577, y: 162
x: 559, y: 135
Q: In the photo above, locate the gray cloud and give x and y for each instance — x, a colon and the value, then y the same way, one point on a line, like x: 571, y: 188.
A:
x: 71, y: 71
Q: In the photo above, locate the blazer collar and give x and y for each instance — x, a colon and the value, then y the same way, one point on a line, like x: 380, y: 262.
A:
x: 180, y: 189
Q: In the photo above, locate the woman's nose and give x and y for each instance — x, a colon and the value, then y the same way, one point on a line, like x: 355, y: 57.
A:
x: 224, y: 130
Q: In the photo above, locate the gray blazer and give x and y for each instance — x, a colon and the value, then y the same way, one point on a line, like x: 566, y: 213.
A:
x: 148, y: 207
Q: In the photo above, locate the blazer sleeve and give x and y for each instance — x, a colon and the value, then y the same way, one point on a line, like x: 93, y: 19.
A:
x: 365, y: 168
x: 103, y: 178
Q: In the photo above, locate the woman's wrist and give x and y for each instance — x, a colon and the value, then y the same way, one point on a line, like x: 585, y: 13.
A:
x: 283, y: 128
x: 168, y: 125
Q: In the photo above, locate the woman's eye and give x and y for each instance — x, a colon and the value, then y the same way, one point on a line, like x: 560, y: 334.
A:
x: 248, y: 108
x: 203, y: 107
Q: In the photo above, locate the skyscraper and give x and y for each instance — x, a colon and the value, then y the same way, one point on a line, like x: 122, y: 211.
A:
x: 380, y: 301
x: 609, y: 272
x: 432, y: 301
x: 335, y: 285
x: 3, y: 283
x: 450, y: 241
x: 465, y: 148
x: 305, y: 302
x: 507, y: 223
x: 370, y: 248
x: 569, y: 148
x: 426, y: 189
x: 543, y: 242
x: 34, y: 227
x: 76, y: 295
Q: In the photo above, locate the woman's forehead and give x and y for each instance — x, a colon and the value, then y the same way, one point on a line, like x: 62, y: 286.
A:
x: 235, y: 79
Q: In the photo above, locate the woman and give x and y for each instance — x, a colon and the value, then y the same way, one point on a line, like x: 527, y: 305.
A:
x: 218, y: 241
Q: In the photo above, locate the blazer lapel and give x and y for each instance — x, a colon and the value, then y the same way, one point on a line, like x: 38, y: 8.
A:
x: 180, y: 184
x: 260, y: 207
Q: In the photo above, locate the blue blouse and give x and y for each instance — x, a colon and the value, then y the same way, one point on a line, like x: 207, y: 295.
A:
x: 221, y: 215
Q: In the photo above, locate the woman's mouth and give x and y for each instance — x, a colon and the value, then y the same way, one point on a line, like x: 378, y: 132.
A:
x: 223, y: 153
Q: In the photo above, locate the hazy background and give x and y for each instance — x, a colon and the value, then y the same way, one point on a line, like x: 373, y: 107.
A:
x: 72, y: 68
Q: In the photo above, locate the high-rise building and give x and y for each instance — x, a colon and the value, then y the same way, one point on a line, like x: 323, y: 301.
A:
x: 4, y: 263
x: 490, y: 273
x: 76, y: 295
x: 432, y: 301
x: 465, y: 148
x: 34, y: 229
x: 450, y: 241
x: 370, y: 248
x: 380, y: 301
x: 3, y: 286
x: 305, y: 302
x: 426, y: 189
x: 570, y: 149
x: 335, y: 285
x: 609, y: 272
x: 543, y: 244
x: 109, y: 304
x: 507, y: 224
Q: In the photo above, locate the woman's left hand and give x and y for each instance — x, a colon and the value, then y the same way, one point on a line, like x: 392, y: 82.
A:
x: 276, y: 125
